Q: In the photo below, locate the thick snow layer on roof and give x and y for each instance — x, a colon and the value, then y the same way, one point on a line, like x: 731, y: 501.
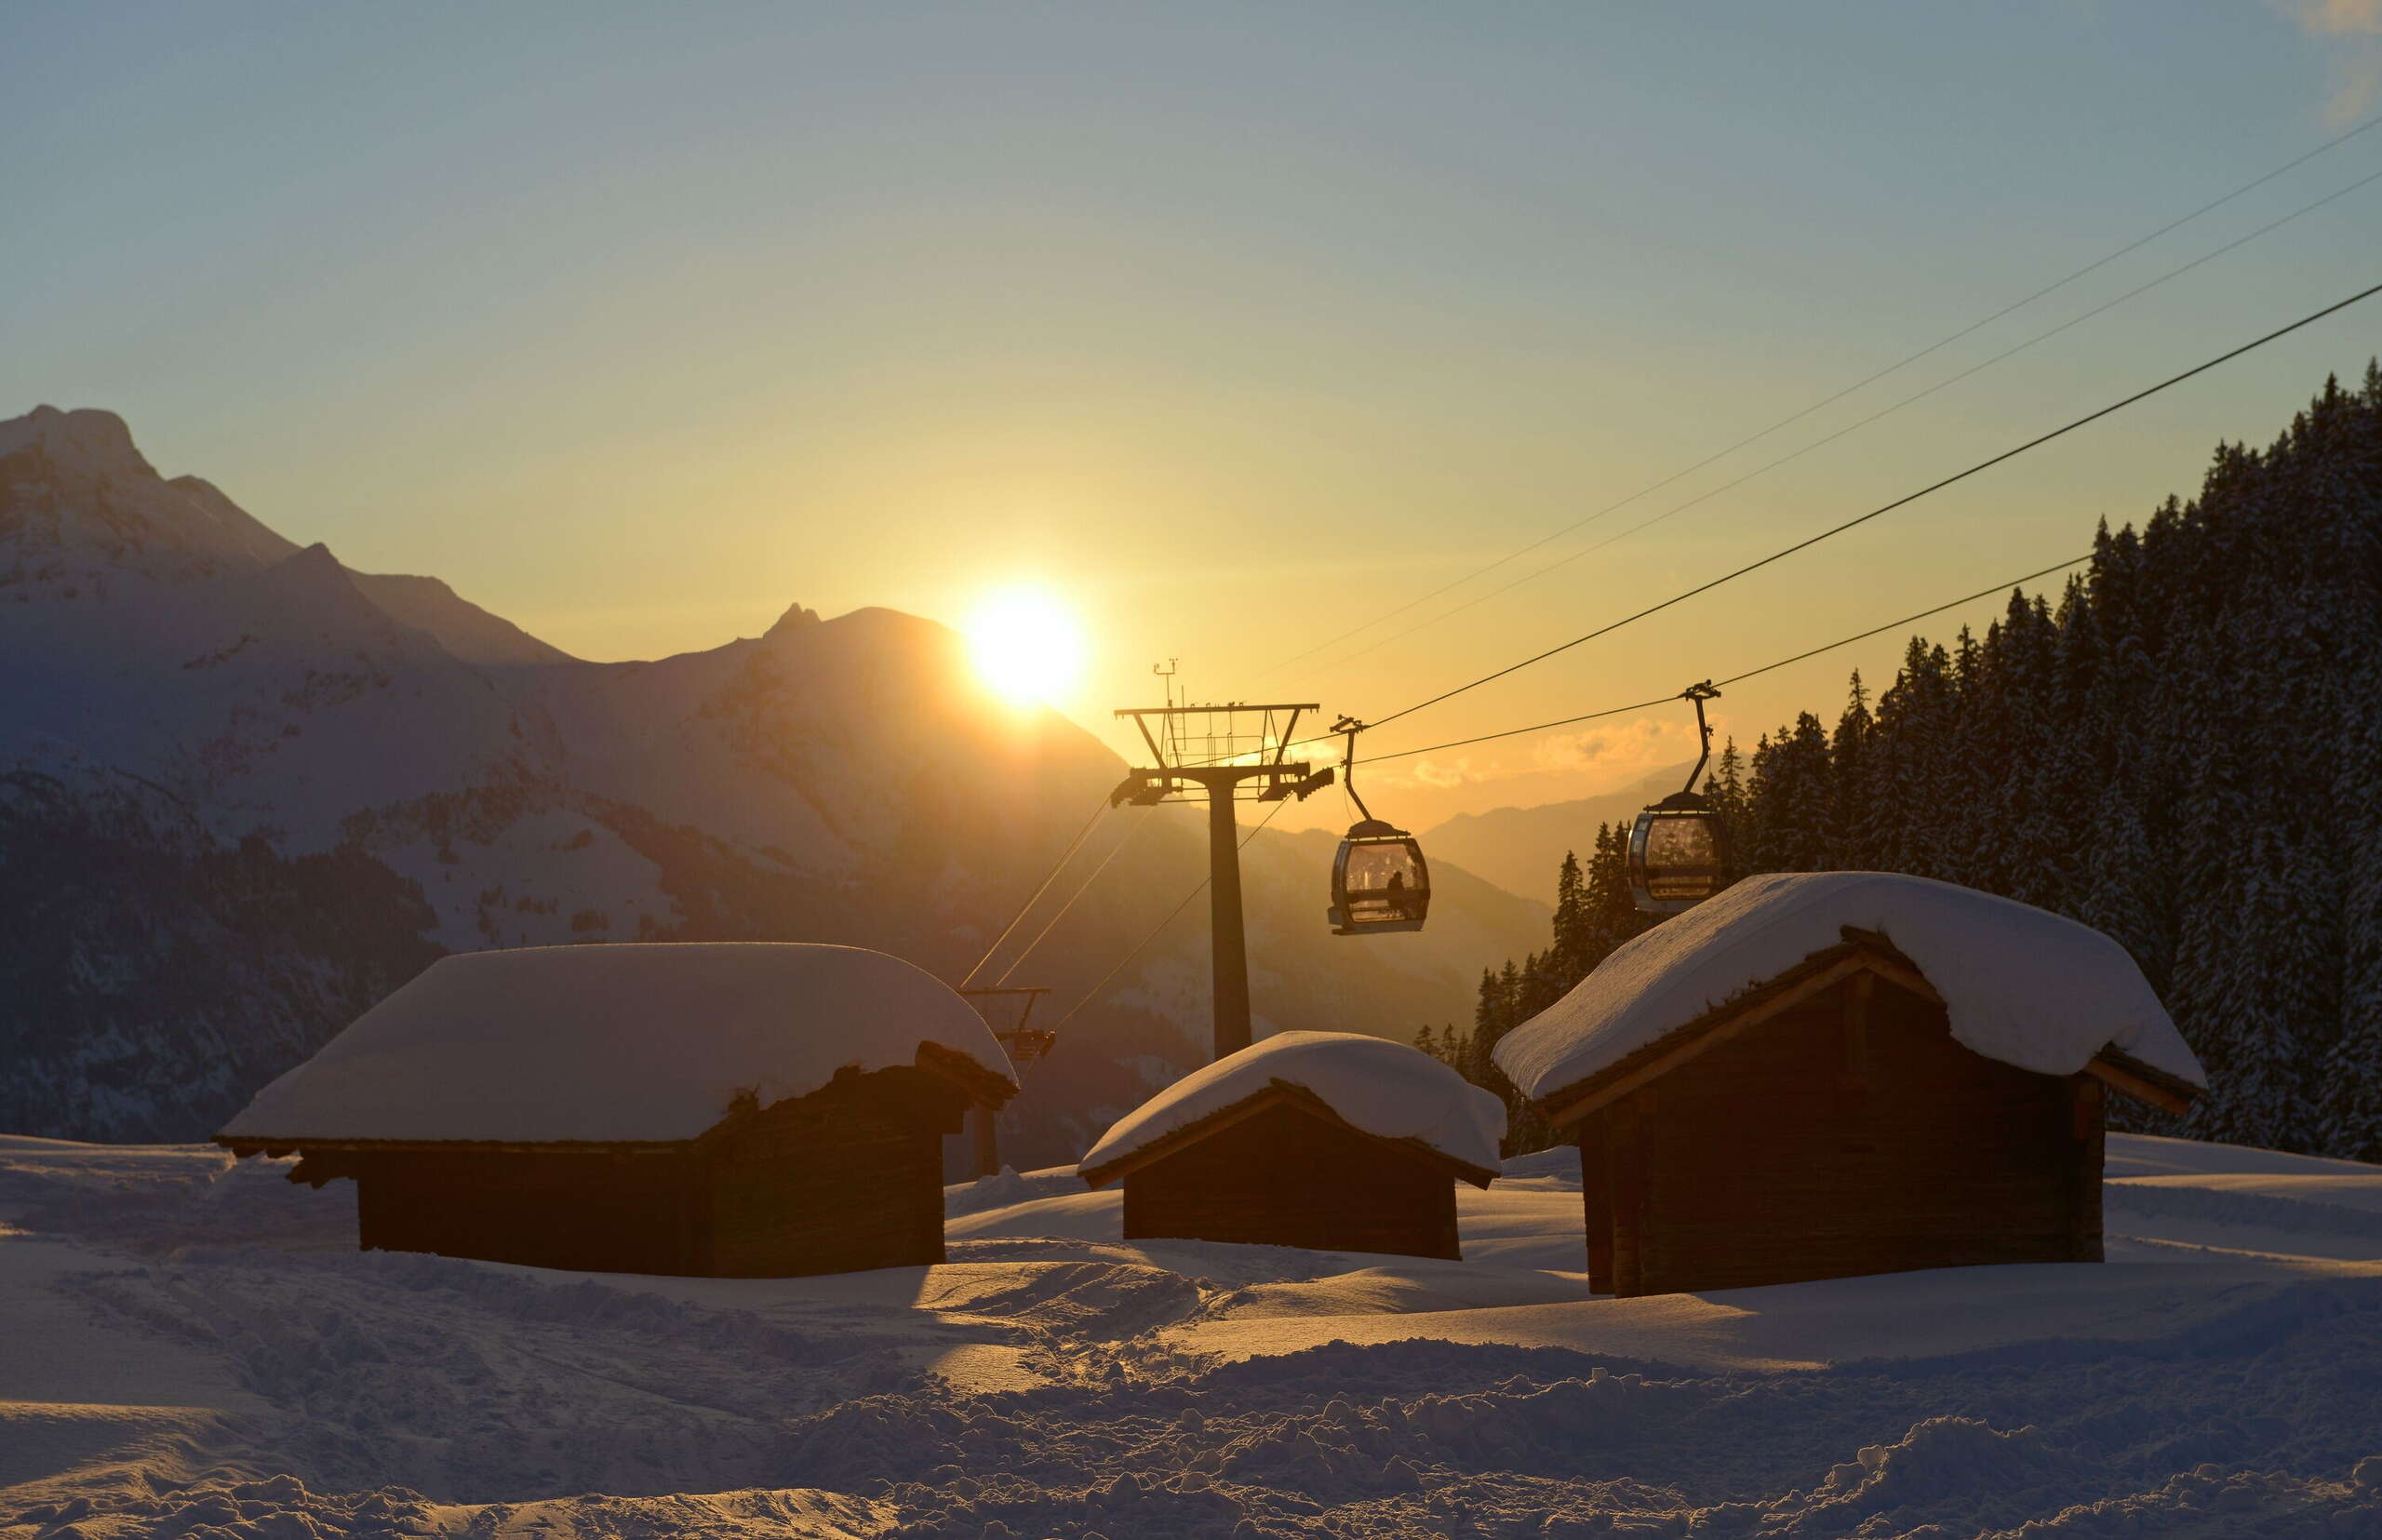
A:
x: 1384, y: 1088
x: 612, y: 1043
x: 2019, y: 985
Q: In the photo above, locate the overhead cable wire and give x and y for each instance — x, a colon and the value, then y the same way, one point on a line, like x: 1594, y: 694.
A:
x: 1035, y: 897
x: 1171, y: 915
x: 1905, y: 500
x: 1897, y: 365
x: 1902, y: 502
x: 1748, y: 674
x: 1780, y: 554
x: 1082, y: 887
x: 1855, y: 426
x: 1586, y: 716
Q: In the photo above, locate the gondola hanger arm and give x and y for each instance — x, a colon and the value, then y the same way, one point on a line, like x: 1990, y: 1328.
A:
x: 1349, y: 727
x: 1699, y: 693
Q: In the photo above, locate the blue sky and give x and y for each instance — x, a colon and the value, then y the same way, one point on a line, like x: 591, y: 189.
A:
x: 1231, y: 325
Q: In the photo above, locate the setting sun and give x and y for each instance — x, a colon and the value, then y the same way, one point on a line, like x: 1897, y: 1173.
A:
x: 1027, y: 646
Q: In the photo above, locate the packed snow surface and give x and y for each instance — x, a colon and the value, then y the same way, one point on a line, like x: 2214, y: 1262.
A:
x: 193, y: 1348
x: 1384, y: 1088
x: 612, y: 1043
x: 2020, y: 984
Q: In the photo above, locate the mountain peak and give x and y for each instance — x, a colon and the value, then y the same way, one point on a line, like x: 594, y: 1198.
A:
x: 310, y: 570
x: 794, y: 619
x: 103, y: 505
x: 84, y: 433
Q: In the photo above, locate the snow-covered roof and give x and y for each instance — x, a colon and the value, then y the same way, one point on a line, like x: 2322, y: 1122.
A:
x: 2019, y: 985
x: 1383, y: 1087
x: 619, y: 1044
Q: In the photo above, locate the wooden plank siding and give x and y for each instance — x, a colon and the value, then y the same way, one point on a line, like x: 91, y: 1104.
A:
x: 1624, y: 1154
x: 847, y: 1178
x: 589, y: 1211
x: 1846, y: 1134
x: 1283, y: 1177
x: 1596, y: 1201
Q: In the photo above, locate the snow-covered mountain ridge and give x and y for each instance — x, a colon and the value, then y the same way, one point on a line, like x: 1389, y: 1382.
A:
x: 245, y: 791
x: 87, y: 515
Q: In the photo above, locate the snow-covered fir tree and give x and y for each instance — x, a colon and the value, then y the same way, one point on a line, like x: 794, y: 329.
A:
x: 2183, y: 749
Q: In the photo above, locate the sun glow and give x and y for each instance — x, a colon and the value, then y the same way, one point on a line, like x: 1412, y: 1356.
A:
x: 1027, y: 647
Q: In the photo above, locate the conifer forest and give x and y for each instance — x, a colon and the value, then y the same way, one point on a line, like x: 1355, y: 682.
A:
x: 2179, y: 748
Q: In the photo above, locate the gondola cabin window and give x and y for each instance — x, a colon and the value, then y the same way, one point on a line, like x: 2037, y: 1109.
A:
x: 1381, y: 880
x: 1675, y: 854
x: 1679, y: 850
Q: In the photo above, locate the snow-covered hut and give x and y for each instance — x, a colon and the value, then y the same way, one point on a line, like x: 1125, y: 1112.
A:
x: 1326, y: 1140
x: 740, y: 1110
x: 1815, y: 1074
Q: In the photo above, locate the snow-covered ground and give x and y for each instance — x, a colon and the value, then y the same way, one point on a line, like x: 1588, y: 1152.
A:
x: 192, y: 1347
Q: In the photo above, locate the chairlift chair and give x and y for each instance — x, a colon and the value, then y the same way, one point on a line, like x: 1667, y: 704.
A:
x: 1678, y: 848
x: 1380, y: 882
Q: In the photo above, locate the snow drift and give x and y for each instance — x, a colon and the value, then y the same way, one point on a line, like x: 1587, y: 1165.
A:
x: 613, y: 1043
x: 2019, y: 985
x: 191, y: 1351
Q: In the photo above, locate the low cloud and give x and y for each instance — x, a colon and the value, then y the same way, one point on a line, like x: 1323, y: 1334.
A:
x: 1599, y: 759
x: 1625, y: 750
x: 1456, y: 774
x: 2340, y: 18
x: 2356, y: 67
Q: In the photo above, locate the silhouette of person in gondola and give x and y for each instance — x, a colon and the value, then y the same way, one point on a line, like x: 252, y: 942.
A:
x: 1401, y: 904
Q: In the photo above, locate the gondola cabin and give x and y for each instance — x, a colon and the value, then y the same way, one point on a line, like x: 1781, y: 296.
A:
x: 1380, y: 882
x: 1818, y: 1074
x: 728, y: 1110
x: 1324, y: 1140
x: 1678, y: 848
x: 1678, y: 855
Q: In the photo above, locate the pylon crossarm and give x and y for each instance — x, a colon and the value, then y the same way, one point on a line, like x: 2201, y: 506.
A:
x: 1147, y: 786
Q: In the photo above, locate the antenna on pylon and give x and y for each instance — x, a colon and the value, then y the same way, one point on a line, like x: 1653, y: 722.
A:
x: 1165, y: 673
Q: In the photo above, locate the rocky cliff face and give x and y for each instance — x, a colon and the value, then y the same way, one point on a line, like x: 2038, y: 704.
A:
x: 246, y: 791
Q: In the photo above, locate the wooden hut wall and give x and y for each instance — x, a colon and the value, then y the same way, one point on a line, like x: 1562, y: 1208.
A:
x: 847, y: 1178
x: 597, y: 1210
x: 850, y: 1177
x: 1849, y: 1134
x: 1284, y: 1177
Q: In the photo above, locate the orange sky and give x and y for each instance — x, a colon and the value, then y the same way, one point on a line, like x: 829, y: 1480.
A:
x: 1235, y: 328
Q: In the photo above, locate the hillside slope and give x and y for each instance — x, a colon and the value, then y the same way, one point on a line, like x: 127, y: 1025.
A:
x: 1520, y: 849
x: 245, y: 791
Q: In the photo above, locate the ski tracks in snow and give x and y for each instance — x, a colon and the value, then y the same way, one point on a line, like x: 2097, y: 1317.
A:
x: 1037, y: 1385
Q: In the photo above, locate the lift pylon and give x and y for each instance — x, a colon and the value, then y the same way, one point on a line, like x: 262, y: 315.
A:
x: 1224, y: 754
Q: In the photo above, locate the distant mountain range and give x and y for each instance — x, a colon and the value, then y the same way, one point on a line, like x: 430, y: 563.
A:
x: 1522, y: 848
x: 245, y: 791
